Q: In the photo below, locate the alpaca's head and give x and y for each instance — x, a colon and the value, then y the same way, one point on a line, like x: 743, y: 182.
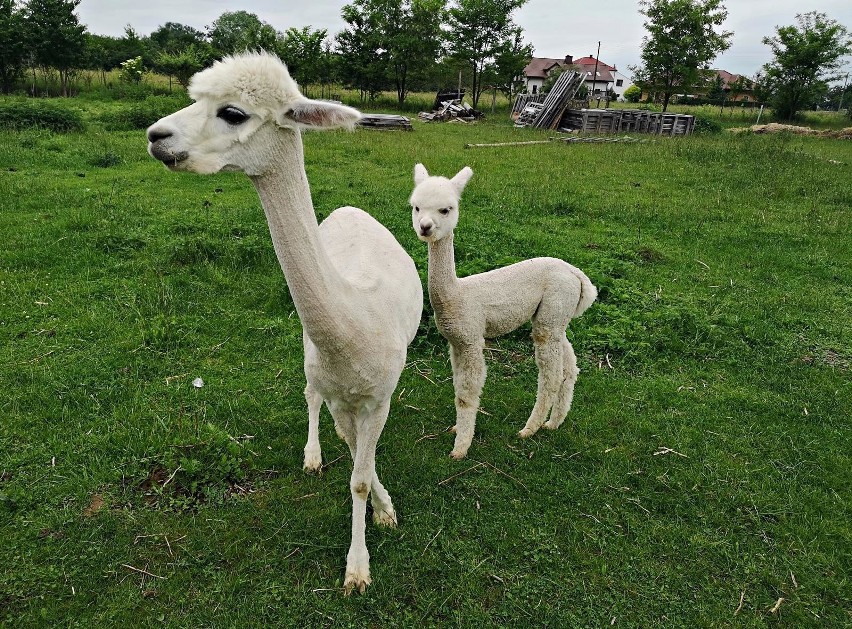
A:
x: 240, y: 104
x: 435, y: 203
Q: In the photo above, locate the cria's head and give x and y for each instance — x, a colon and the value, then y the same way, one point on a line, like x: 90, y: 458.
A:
x: 240, y: 103
x: 435, y: 203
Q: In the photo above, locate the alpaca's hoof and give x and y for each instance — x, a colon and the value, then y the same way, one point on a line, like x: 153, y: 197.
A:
x: 357, y: 574
x: 313, y: 462
x: 452, y: 429
x: 526, y: 432
x: 551, y: 425
x: 384, y: 517
x: 458, y: 455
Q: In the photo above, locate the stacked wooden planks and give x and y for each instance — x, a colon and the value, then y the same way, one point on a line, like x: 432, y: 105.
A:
x: 626, y: 120
x: 547, y: 114
x: 385, y: 121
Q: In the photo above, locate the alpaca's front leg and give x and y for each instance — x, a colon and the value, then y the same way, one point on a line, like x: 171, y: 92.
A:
x: 313, y: 454
x: 469, y: 373
x: 368, y: 427
x: 548, y: 357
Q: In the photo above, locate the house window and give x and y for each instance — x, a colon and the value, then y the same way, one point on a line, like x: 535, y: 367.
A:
x: 619, y: 82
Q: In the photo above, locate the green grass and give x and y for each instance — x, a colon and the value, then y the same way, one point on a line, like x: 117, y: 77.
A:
x: 722, y: 332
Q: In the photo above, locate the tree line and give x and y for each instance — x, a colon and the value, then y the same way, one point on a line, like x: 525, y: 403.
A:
x: 387, y: 45
x: 408, y: 45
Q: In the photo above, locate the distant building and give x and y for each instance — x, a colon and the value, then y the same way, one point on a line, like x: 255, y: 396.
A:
x: 737, y: 87
x: 608, y: 77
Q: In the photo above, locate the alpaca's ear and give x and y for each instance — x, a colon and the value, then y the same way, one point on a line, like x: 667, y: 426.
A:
x: 461, y: 179
x: 318, y: 114
x: 420, y: 173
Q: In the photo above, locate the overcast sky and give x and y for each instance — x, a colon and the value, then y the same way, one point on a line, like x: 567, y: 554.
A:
x: 554, y: 27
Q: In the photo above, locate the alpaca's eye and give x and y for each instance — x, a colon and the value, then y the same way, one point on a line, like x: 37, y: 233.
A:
x: 232, y: 115
x: 444, y: 210
x: 416, y: 209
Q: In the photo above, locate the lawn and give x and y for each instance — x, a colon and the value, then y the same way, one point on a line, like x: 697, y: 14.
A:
x: 702, y: 479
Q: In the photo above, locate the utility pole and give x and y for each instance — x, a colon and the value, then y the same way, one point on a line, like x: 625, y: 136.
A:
x: 843, y: 93
x: 595, y: 77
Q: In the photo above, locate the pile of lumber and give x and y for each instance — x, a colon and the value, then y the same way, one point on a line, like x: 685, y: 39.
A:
x: 385, y: 121
x: 626, y: 120
x: 452, y: 110
x: 548, y: 113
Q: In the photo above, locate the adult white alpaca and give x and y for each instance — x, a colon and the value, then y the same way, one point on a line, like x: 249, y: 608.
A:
x: 355, y: 289
x: 546, y: 291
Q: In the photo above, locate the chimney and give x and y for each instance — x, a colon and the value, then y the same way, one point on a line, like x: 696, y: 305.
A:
x: 569, y: 59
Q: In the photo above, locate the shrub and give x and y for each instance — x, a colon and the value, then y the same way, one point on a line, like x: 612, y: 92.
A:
x: 706, y: 126
x: 24, y: 114
x: 142, y: 115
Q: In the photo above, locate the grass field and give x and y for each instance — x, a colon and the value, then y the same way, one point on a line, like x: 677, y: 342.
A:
x: 703, y: 476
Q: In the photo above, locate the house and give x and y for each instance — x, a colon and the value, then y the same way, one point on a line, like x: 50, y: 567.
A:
x: 737, y: 87
x: 607, y: 77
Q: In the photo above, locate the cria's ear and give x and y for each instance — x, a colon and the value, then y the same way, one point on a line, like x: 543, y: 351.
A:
x: 461, y: 179
x: 318, y: 114
x: 420, y: 173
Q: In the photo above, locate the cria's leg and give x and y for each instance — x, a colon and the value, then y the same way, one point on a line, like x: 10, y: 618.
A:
x: 548, y: 357
x: 368, y: 428
x: 566, y: 390
x: 313, y: 454
x: 468, y: 379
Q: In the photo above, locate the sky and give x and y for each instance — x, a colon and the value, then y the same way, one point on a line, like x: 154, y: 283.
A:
x: 555, y: 28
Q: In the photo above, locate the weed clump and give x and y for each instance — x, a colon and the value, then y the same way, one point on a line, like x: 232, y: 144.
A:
x: 141, y: 115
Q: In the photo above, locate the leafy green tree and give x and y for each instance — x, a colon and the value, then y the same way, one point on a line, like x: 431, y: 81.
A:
x: 404, y: 36
x: 682, y: 40
x: 237, y: 31
x: 303, y: 52
x: 509, y: 63
x: 173, y: 37
x: 804, y: 57
x: 363, y: 60
x: 56, y: 37
x: 184, y: 63
x: 716, y: 90
x: 12, y: 44
x: 478, y: 32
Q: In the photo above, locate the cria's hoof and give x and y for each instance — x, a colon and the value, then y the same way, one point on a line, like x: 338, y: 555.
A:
x: 526, y: 432
x: 385, y: 518
x: 551, y: 425
x: 458, y: 455
x: 452, y: 429
x: 357, y: 582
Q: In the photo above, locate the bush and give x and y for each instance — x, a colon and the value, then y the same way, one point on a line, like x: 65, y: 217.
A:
x: 142, y: 115
x: 26, y: 114
x: 706, y: 126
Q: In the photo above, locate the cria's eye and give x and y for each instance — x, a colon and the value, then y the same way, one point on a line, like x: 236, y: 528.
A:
x: 444, y: 210
x: 416, y: 209
x: 232, y: 115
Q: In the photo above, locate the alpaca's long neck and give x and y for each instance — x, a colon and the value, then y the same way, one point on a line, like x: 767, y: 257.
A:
x: 443, y: 282
x: 318, y: 291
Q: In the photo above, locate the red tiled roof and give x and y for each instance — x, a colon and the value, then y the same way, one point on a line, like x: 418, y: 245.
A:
x: 590, y: 61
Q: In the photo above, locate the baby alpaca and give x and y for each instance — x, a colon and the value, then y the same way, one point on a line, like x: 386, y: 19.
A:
x: 546, y: 291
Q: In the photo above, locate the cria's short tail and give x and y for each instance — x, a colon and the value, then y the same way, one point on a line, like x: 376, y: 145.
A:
x: 588, y: 292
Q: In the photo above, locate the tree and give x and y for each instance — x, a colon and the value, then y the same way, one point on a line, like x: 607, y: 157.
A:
x: 173, y: 37
x: 12, y: 44
x: 682, y: 40
x: 716, y: 90
x: 183, y: 64
x: 404, y: 36
x: 302, y: 50
x: 56, y: 37
x: 509, y: 63
x: 478, y: 32
x: 236, y: 31
x: 803, y: 59
x: 363, y: 64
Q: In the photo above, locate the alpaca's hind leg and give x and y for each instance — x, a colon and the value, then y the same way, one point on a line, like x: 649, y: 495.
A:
x: 548, y: 358
x: 313, y: 454
x: 383, y: 511
x: 566, y: 391
x: 468, y: 379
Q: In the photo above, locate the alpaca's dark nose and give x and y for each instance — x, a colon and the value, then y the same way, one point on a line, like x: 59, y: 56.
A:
x: 425, y: 231
x: 158, y: 134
